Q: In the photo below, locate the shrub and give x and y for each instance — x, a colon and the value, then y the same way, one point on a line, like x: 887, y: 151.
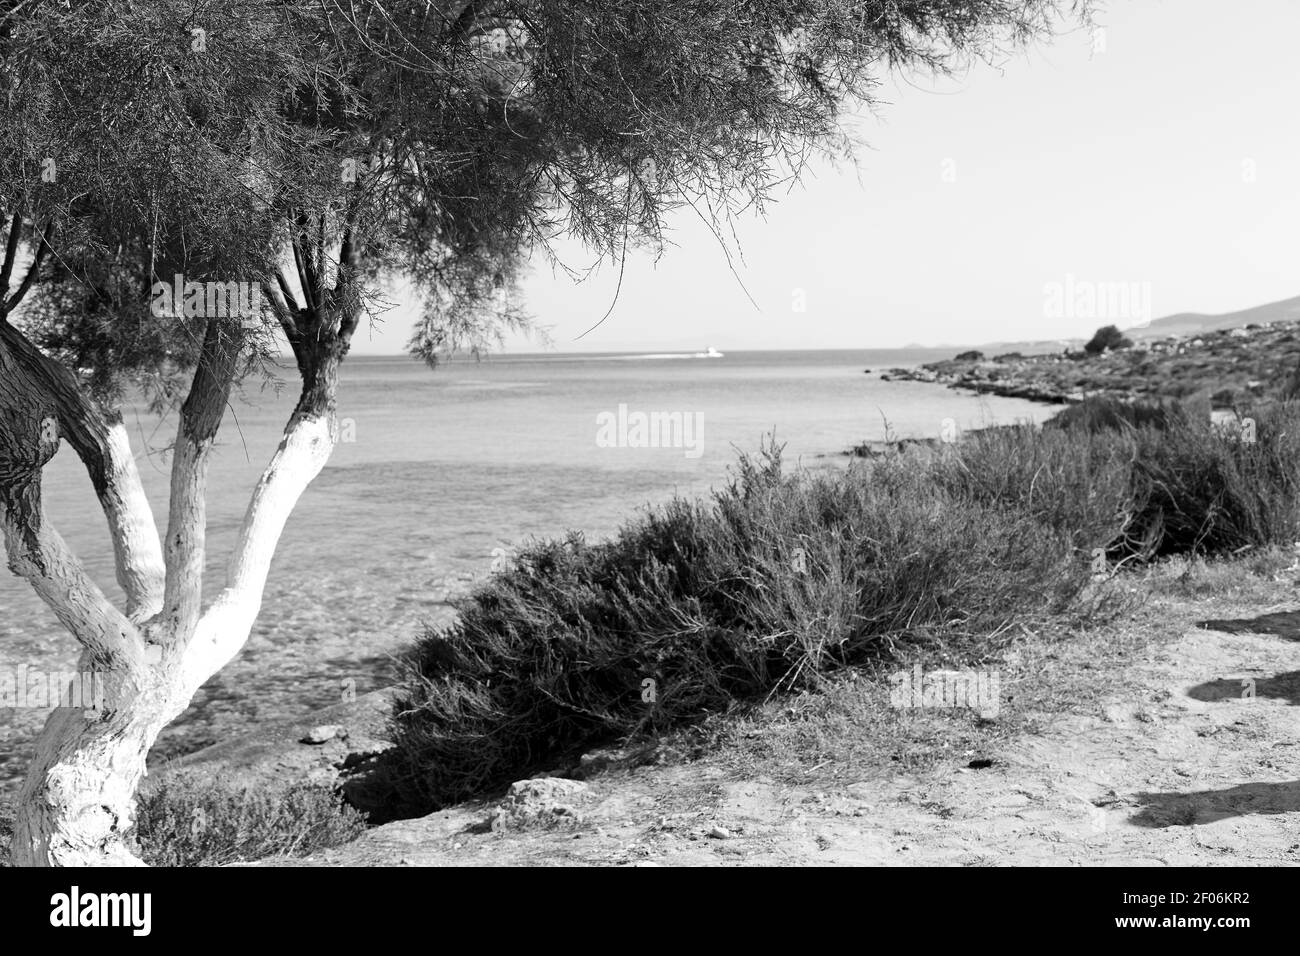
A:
x: 188, y: 821
x: 1195, y: 487
x: 780, y: 579
x: 776, y: 580
x: 6, y: 833
x: 971, y: 356
x: 1291, y: 385
x: 1106, y: 337
x: 1201, y: 488
x: 1095, y: 414
x: 1077, y: 485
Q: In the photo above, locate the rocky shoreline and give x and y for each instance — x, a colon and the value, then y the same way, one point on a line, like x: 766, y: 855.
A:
x: 1225, y: 366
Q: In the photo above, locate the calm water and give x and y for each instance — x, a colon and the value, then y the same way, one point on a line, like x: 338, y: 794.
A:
x: 440, y: 468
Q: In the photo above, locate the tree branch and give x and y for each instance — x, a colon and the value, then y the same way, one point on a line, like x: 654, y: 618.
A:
x: 42, y: 557
x: 285, y: 310
x: 306, y: 275
x: 225, y: 625
x: 23, y: 288
x: 105, y: 452
x: 200, y: 420
x: 11, y: 253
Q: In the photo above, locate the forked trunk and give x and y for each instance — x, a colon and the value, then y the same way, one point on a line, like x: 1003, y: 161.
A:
x: 77, y: 804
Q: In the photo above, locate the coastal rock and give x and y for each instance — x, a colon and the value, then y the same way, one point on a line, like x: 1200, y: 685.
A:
x: 539, y: 802
x: 324, y: 733
x: 1254, y: 359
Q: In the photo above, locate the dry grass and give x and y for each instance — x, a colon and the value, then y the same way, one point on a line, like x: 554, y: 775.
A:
x: 848, y: 731
x: 201, y: 821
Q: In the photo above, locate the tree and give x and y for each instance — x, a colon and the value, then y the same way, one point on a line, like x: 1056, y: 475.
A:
x: 1106, y: 337
x: 307, y: 150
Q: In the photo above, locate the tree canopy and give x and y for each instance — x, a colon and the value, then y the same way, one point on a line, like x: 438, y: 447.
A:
x: 316, y: 147
x: 159, y: 156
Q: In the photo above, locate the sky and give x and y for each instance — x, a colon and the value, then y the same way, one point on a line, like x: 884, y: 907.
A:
x: 1158, y: 155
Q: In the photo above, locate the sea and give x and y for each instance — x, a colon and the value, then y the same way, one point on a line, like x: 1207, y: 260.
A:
x: 440, y: 473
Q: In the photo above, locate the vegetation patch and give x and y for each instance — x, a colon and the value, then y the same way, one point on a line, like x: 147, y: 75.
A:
x: 777, y: 581
x: 199, y: 821
x: 782, y: 580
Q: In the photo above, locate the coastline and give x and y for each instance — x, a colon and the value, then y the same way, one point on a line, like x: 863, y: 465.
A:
x: 305, y: 646
x: 1225, y: 366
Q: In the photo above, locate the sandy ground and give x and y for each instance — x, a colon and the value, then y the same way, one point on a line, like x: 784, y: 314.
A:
x: 1175, y: 761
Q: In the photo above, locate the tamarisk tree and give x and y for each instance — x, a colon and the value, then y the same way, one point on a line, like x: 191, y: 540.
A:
x: 310, y: 150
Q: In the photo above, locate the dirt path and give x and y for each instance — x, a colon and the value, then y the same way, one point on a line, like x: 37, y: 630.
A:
x: 1177, y: 764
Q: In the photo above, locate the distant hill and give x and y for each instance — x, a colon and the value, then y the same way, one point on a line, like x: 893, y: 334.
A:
x: 1189, y: 323
x: 1184, y: 323
x: 1228, y: 360
x: 1039, y: 347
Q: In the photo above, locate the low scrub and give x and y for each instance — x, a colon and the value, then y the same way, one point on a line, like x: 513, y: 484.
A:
x: 6, y: 833
x: 203, y: 822
x: 1106, y: 337
x: 781, y: 579
x: 776, y: 580
x: 1195, y: 486
x: 1212, y: 489
x: 1107, y: 415
x: 1076, y: 485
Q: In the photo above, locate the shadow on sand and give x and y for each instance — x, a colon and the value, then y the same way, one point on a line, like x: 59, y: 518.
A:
x: 1207, y: 806
x: 1284, y: 624
x: 1285, y: 686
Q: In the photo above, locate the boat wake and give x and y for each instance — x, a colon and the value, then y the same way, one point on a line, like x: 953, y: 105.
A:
x: 711, y: 352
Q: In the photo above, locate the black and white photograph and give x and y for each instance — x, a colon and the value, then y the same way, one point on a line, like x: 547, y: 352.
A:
x: 635, y: 434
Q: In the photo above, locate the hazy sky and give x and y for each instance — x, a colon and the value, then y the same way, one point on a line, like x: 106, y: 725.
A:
x: 1163, y: 152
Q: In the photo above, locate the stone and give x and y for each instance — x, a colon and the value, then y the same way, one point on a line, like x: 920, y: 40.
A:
x: 539, y: 802
x: 323, y: 733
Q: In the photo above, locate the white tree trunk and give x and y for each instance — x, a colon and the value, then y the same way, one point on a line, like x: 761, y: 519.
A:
x: 139, y: 560
x: 225, y: 626
x: 77, y: 803
x: 78, y: 770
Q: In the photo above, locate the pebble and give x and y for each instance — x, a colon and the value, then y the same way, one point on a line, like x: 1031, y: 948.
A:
x: 323, y: 733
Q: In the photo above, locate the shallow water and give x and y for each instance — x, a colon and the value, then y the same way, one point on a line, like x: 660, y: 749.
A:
x: 438, y: 470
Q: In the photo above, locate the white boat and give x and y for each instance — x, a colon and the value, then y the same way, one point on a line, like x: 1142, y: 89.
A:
x: 711, y: 352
